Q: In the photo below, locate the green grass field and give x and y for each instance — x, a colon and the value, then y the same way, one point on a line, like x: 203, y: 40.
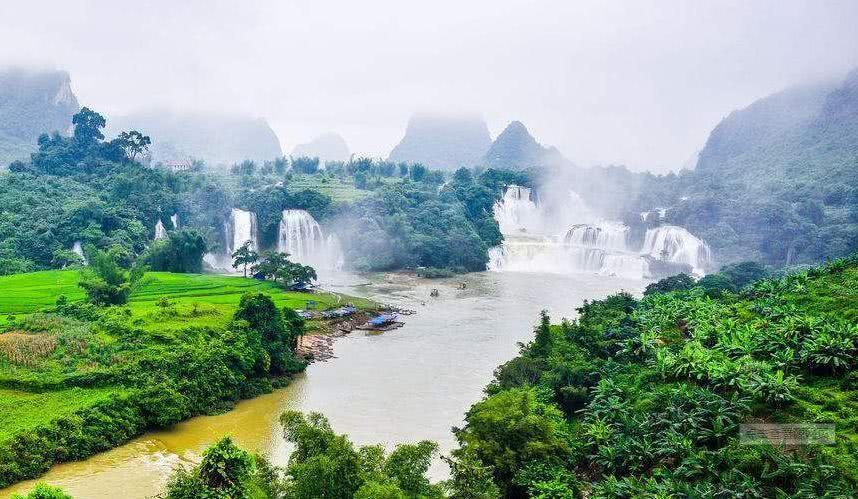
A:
x: 23, y: 293
x: 193, y: 300
x: 23, y: 411
x: 216, y: 296
x: 339, y: 190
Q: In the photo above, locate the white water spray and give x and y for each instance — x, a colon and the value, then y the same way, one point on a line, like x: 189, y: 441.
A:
x: 242, y: 228
x: 675, y: 244
x: 517, y: 211
x: 77, y: 248
x: 160, y: 231
x: 600, y: 247
x: 301, y: 236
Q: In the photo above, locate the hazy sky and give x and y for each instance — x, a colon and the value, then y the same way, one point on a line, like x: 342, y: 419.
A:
x: 639, y: 83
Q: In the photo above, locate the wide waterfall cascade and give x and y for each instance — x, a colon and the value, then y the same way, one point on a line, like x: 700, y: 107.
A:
x: 160, y: 231
x: 242, y: 228
x: 675, y: 244
x: 600, y: 247
x: 302, y: 237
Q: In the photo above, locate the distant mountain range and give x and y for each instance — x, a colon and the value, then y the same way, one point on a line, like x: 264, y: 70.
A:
x: 516, y: 149
x: 448, y: 143
x: 327, y: 147
x: 31, y: 103
x: 443, y: 142
x: 218, y: 139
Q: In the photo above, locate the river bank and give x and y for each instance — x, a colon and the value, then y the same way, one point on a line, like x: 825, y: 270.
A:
x: 405, y: 385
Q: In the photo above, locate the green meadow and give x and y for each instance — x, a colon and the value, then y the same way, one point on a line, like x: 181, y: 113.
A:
x: 101, y: 375
x: 23, y: 411
x: 199, y: 299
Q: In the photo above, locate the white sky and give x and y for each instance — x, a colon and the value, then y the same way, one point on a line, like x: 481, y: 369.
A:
x: 639, y: 83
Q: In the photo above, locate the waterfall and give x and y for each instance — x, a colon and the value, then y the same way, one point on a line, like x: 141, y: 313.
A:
x: 598, y: 247
x: 530, y: 254
x: 160, y: 231
x: 517, y: 212
x: 605, y: 235
x: 241, y: 229
x: 302, y: 237
x: 77, y: 248
x: 628, y: 266
x: 675, y: 244
x: 174, y: 218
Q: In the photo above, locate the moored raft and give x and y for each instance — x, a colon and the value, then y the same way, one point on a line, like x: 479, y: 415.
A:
x: 382, y: 322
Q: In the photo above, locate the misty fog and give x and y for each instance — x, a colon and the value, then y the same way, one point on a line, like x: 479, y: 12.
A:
x: 640, y: 84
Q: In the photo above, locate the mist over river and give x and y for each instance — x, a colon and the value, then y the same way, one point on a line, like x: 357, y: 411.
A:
x: 405, y: 385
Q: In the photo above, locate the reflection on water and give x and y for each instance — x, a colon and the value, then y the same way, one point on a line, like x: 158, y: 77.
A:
x: 405, y: 385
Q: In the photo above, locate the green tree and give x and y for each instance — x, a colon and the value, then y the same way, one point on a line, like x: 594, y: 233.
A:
x: 181, y: 251
x: 323, y: 464
x: 133, y: 143
x: 277, y: 267
x: 308, y: 166
x: 66, y: 258
x: 511, y: 429
x: 470, y: 478
x: 278, y: 337
x: 407, y: 466
x: 328, y: 465
x: 678, y: 282
x: 87, y: 127
x: 226, y: 471
x: 542, y: 343
x: 244, y: 256
x: 105, y: 282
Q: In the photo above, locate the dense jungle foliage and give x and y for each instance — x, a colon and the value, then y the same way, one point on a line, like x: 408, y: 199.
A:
x: 387, y: 215
x: 323, y: 464
x: 646, y: 398
x: 76, y: 378
x: 634, y: 398
x: 95, y: 192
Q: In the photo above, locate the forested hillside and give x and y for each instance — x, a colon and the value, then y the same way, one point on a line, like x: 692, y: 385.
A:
x: 516, y: 149
x: 647, y: 398
x: 90, y: 190
x: 776, y: 181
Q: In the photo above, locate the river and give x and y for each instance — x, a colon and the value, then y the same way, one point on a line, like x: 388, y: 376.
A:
x: 410, y: 384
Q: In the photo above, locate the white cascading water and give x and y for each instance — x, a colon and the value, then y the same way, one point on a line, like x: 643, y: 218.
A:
x: 675, y: 244
x: 160, y: 231
x: 242, y: 227
x: 174, y: 218
x: 604, y: 235
x: 517, y: 212
x: 301, y: 236
x: 597, y: 248
x: 77, y: 248
x: 600, y: 247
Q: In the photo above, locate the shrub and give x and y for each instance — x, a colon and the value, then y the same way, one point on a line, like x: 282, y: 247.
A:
x: 44, y: 491
x: 678, y: 282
